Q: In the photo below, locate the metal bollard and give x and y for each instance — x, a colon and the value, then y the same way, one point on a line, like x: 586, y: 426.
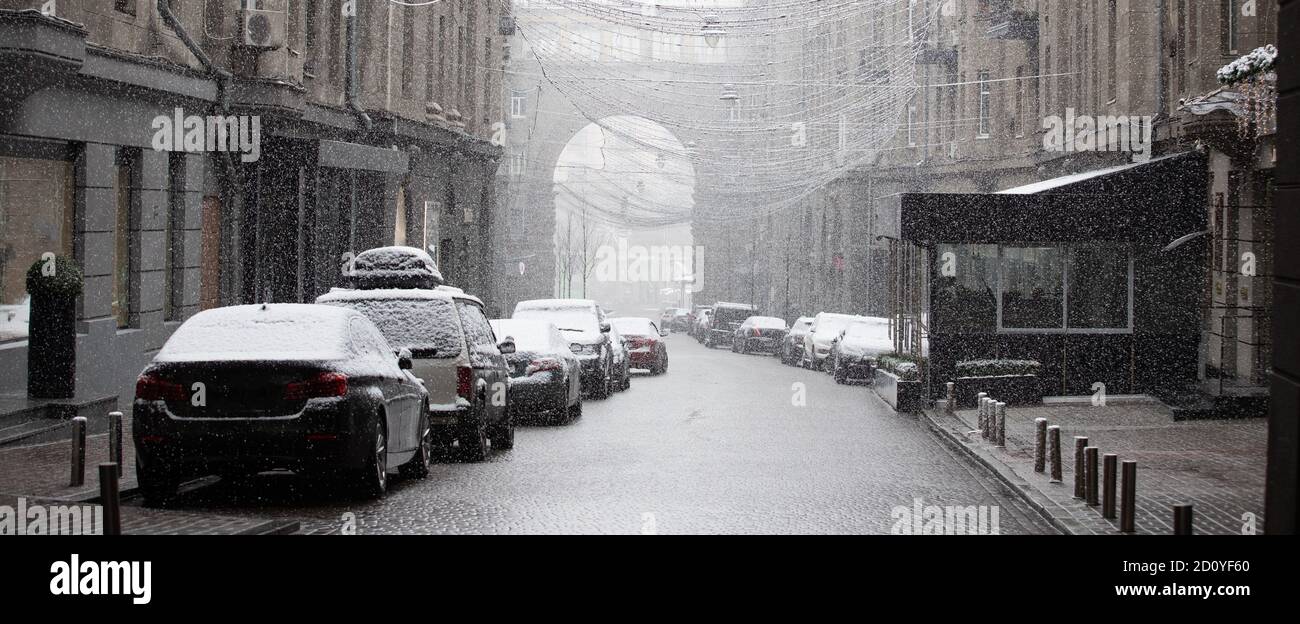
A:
x: 1128, y: 498
x: 1090, y: 462
x: 78, y: 451
x: 952, y: 398
x: 1054, y: 451
x: 115, y: 440
x: 1109, y: 461
x: 1080, y: 443
x: 1182, y: 519
x: 110, y: 498
x: 1040, y: 444
x: 980, y: 400
x: 1000, y: 427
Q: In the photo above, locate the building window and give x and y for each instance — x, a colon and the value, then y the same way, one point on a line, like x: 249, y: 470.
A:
x: 408, y: 52
x: 518, y: 104
x: 911, y: 126
x: 124, y: 256
x: 985, y: 101
x: 1228, y: 26
x: 518, y: 164
x: 1065, y: 288
x: 36, y: 216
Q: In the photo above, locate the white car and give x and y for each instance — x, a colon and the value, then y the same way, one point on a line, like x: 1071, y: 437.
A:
x: 821, y: 337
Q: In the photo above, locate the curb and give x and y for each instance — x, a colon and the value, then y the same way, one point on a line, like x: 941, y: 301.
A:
x: 1054, y: 514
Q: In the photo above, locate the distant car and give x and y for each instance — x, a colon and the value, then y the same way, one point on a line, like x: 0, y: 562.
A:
x: 583, y: 324
x: 724, y: 320
x: 759, y: 334
x: 313, y: 389
x: 545, y: 376
x: 853, y: 356
x: 454, y: 353
x: 666, y: 319
x: 792, y: 345
x: 821, y: 337
x: 700, y: 327
x: 645, y: 343
x: 622, y: 360
x: 681, y: 321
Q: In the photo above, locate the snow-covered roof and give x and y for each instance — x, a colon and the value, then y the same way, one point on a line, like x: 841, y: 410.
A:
x: 1054, y: 183
x: 554, y: 304
x: 767, y: 322
x: 633, y: 325
x: 725, y: 304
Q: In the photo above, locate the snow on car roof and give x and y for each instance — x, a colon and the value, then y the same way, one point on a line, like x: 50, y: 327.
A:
x: 742, y: 306
x: 529, y: 335
x: 353, y: 294
x: 274, y: 332
x: 767, y: 322
x: 554, y: 304
x: 395, y: 266
x: 633, y: 326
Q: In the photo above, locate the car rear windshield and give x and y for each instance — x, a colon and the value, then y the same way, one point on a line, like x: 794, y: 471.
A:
x: 731, y: 315
x: 413, y: 323
x: 634, y: 327
x: 529, y: 335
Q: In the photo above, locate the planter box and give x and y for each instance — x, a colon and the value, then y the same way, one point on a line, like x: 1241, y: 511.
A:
x: 903, y: 396
x: 1014, y: 390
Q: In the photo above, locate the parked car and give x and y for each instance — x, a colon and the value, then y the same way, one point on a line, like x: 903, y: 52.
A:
x: 853, y: 356
x: 821, y: 337
x: 622, y: 360
x: 681, y: 321
x: 645, y: 343
x: 791, y: 351
x: 666, y: 319
x: 455, y: 354
x: 313, y: 389
x: 700, y: 328
x: 760, y: 334
x: 545, y: 376
x: 724, y: 320
x: 583, y: 324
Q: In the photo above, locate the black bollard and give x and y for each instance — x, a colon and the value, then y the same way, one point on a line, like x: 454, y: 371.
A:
x: 1054, y: 451
x: 1090, y: 460
x: 1109, y: 461
x: 110, y: 498
x: 1040, y: 444
x: 1128, y: 498
x: 78, y: 452
x: 1080, y: 443
x: 1182, y: 519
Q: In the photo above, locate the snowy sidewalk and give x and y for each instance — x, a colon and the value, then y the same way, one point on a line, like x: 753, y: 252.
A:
x: 1215, y: 465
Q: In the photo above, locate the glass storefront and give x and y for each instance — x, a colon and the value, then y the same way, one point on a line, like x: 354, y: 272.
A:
x: 36, y: 216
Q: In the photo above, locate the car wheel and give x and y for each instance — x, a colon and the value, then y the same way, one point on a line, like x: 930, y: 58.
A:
x: 744, y: 347
x: 420, y: 465
x: 474, y: 438
x: 841, y: 373
x: 373, y: 479
x: 575, y: 411
x: 157, y: 487
x: 627, y: 379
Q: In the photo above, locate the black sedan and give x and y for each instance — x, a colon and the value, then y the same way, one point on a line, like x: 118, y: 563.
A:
x: 309, y: 388
x: 545, y: 375
x: 759, y: 334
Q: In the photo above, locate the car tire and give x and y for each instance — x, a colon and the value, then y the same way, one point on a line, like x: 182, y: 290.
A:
x: 841, y: 373
x: 422, y: 464
x: 372, y: 478
x: 574, y: 412
x: 156, y: 486
x: 503, y: 435
x: 474, y: 438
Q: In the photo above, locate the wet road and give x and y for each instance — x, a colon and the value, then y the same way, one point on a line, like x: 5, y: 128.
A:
x: 720, y: 444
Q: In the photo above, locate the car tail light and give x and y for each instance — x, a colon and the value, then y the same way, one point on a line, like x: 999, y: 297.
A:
x: 464, y: 382
x: 321, y: 386
x: 542, y: 365
x: 756, y: 333
x: 150, y: 388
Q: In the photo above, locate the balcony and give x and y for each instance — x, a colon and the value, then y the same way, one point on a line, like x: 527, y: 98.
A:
x: 1009, y: 23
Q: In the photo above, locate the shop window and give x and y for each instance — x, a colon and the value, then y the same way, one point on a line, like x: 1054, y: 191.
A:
x: 1077, y: 288
x: 1033, y: 288
x: 123, y: 236
x: 1098, y: 280
x: 36, y: 216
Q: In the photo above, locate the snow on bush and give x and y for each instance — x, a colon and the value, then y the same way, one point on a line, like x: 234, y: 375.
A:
x: 1258, y: 61
x: 997, y: 368
x: 905, y: 367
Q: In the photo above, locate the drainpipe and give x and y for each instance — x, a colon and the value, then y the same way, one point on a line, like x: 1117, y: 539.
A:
x: 1162, y: 66
x: 354, y: 100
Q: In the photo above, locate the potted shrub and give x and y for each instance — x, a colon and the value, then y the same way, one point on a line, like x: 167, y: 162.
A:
x: 1014, y: 382
x: 54, y: 284
x: 897, y: 380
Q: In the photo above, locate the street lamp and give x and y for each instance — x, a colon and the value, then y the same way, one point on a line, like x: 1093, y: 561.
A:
x: 712, y: 31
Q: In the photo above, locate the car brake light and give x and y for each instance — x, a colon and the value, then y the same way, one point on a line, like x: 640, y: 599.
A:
x: 321, y: 386
x: 464, y: 382
x: 150, y: 388
x: 543, y: 365
x: 756, y: 332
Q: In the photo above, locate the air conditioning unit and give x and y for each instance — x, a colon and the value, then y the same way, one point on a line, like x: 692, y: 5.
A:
x: 263, y: 24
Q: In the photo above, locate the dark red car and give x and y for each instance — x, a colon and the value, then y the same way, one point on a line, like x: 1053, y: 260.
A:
x: 645, y: 343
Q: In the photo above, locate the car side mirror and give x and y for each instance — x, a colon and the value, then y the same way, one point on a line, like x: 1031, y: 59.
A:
x: 663, y: 332
x: 605, y: 327
x: 507, y: 346
x: 404, y: 362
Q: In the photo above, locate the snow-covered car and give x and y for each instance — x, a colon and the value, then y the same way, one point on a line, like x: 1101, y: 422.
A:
x: 622, y: 360
x: 724, y: 321
x: 792, y: 345
x: 454, y: 352
x: 680, y: 321
x: 309, y: 388
x: 545, y: 377
x: 394, y: 267
x: 759, y: 334
x: 583, y: 324
x: 826, y: 327
x: 700, y: 326
x: 645, y: 343
x: 853, y: 356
